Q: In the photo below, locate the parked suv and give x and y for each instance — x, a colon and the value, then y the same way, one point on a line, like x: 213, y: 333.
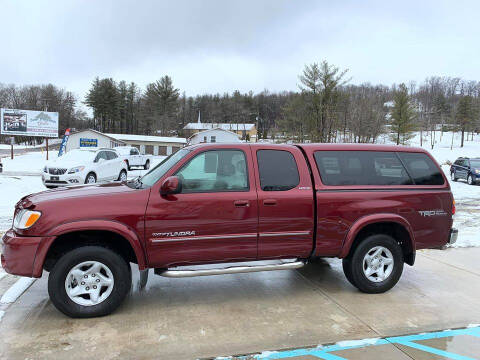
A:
x: 465, y: 168
x: 372, y: 206
x: 81, y: 166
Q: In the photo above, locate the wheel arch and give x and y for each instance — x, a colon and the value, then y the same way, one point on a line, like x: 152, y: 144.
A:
x: 110, y: 234
x: 390, y: 224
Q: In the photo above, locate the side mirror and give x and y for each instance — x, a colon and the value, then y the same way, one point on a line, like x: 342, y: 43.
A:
x: 171, y: 185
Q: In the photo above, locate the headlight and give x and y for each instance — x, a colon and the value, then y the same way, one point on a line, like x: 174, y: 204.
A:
x: 26, y: 218
x: 76, y: 169
x: 477, y: 171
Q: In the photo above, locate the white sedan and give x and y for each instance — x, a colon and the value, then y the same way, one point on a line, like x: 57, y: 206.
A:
x: 87, y: 166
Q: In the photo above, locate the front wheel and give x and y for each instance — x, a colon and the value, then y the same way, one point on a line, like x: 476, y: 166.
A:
x: 122, y: 176
x: 375, y: 265
x: 470, y: 180
x: 91, y: 179
x: 89, y: 281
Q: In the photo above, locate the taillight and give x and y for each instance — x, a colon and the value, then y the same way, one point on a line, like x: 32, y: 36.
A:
x: 453, y: 207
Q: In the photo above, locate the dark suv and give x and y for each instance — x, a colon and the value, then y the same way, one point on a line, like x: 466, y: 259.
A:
x: 465, y: 168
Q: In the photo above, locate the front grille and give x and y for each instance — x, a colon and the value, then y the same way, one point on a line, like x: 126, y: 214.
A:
x: 56, y: 171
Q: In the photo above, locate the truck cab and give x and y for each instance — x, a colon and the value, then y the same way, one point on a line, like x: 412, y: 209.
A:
x: 372, y: 206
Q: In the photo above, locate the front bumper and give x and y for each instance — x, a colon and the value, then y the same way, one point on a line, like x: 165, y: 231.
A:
x: 19, y: 254
x: 62, y: 180
x: 452, y: 239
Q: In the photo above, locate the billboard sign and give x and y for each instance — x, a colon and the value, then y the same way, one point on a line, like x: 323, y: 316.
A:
x: 28, y: 123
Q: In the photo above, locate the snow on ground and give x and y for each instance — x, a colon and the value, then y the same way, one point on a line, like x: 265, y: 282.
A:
x: 17, y: 289
x: 467, y: 197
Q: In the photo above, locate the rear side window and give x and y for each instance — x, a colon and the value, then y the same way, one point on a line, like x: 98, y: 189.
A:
x: 277, y: 170
x: 361, y: 168
x: 422, y: 169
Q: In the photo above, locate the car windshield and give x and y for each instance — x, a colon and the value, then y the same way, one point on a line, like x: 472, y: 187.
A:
x: 78, y: 155
x: 123, y: 150
x: 475, y: 163
x: 158, y: 171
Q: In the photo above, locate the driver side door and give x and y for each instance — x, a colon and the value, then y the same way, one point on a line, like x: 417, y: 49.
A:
x: 213, y: 219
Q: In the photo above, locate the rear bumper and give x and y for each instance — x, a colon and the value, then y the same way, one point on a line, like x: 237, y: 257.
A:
x: 452, y: 239
x: 19, y: 252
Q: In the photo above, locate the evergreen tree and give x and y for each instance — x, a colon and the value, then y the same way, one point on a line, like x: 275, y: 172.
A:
x: 403, y: 117
x: 465, y: 114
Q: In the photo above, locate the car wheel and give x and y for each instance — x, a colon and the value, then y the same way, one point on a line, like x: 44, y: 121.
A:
x: 452, y: 175
x: 90, y: 179
x: 375, y: 265
x: 122, y: 176
x: 147, y: 165
x: 470, y: 180
x: 89, y: 281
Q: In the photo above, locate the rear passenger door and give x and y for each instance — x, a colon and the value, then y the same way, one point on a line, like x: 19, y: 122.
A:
x: 285, y: 203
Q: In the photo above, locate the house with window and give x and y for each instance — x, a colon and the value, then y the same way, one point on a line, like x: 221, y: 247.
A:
x: 244, y: 131
x: 216, y: 135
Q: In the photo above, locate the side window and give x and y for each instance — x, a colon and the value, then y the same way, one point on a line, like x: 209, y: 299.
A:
x: 360, y: 168
x: 422, y: 169
x: 111, y: 155
x: 277, y: 170
x: 133, y: 151
x: 101, y: 155
x: 215, y: 171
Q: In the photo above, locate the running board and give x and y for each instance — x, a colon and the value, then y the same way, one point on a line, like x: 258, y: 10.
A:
x: 229, y: 270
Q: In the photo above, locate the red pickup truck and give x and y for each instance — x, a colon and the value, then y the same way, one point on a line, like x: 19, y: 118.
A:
x: 373, y: 206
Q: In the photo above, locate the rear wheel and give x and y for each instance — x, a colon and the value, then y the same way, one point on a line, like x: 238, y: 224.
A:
x: 89, y: 281
x: 147, y: 165
x: 375, y: 265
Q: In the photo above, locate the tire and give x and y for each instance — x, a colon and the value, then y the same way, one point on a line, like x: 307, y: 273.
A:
x: 389, y: 250
x: 470, y: 180
x: 347, y: 270
x: 452, y: 175
x: 114, y: 294
x: 122, y: 176
x: 90, y: 178
x: 147, y: 165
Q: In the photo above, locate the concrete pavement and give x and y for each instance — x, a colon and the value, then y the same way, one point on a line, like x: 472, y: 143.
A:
x: 250, y: 313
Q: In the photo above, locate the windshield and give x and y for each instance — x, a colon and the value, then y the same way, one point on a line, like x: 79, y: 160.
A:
x: 475, y: 163
x: 80, y: 155
x: 158, y: 171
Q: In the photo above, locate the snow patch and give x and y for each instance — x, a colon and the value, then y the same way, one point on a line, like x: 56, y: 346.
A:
x: 356, y: 343
x: 17, y: 289
x: 2, y: 313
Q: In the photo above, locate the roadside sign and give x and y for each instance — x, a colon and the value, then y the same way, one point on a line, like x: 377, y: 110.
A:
x: 28, y: 123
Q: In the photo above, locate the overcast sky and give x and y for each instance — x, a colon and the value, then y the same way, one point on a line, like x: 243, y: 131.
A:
x: 219, y: 46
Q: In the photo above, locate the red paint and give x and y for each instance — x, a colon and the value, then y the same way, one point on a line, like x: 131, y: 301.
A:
x: 166, y: 229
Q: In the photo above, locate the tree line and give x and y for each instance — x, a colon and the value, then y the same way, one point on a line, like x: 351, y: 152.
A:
x: 325, y: 108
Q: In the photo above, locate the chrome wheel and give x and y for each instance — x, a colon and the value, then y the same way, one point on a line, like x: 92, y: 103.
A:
x: 91, y: 179
x: 378, y: 264
x: 89, y: 283
x: 469, y: 180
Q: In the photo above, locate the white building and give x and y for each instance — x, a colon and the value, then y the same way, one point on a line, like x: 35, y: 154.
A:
x: 91, y: 138
x: 153, y: 145
x: 216, y: 135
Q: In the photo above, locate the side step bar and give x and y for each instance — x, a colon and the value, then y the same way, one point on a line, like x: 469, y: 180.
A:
x: 229, y: 270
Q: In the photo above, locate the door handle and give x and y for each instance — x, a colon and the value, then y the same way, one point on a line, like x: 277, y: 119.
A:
x: 241, y: 203
x: 270, y: 202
